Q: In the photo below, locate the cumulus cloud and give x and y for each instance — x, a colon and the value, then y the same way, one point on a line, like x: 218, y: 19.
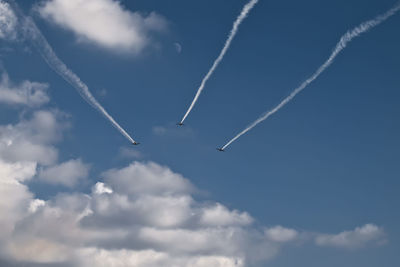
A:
x: 143, y: 214
x: 114, y: 226
x: 68, y: 174
x: 220, y: 215
x: 150, y: 178
x: 32, y: 94
x: 140, y: 215
x: 17, y: 171
x: 100, y: 188
x: 35, y: 205
x: 281, y: 234
x: 8, y: 21
x: 151, y: 258
x: 104, y: 22
x: 32, y: 140
x: 359, y: 237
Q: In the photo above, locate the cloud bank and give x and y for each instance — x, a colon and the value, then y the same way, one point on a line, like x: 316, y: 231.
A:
x: 140, y: 215
x: 143, y: 214
x: 104, y: 22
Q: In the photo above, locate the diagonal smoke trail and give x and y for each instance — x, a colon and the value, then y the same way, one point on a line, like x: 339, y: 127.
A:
x: 32, y: 32
x: 245, y: 11
x: 344, y: 40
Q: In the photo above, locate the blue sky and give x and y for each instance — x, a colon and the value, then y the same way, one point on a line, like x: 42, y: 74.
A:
x: 326, y: 163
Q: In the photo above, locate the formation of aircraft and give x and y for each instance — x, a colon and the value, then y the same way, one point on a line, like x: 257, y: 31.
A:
x: 181, y: 124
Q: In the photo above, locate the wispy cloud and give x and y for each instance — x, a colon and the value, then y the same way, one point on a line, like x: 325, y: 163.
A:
x: 130, y: 153
x: 171, y: 130
x: 8, y: 22
x: 357, y: 238
x: 178, y: 47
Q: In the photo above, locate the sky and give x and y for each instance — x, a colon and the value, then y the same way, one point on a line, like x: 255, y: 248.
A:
x: 314, y: 185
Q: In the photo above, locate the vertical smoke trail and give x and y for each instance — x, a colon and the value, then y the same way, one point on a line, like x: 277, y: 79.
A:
x: 344, y: 40
x: 245, y: 11
x: 32, y: 32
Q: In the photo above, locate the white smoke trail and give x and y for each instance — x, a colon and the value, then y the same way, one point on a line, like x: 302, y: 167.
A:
x: 245, y: 11
x: 344, y: 40
x: 32, y: 32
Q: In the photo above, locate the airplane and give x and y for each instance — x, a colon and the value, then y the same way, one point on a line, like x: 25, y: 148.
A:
x: 135, y: 143
x: 180, y: 124
x: 221, y: 149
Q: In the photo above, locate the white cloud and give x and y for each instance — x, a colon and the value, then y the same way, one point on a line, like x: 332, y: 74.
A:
x: 14, y: 197
x: 100, y: 188
x: 218, y: 215
x: 147, y: 178
x: 122, y: 258
x: 164, y: 212
x: 23, y: 147
x: 8, y: 21
x: 27, y: 93
x: 151, y: 258
x: 69, y: 173
x: 42, y: 250
x: 31, y: 140
x: 36, y: 204
x: 110, y: 24
x: 356, y: 238
x: 281, y: 234
x: 17, y: 171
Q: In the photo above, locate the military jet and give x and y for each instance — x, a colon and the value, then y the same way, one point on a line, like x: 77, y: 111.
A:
x: 221, y: 149
x: 180, y: 124
x: 135, y: 143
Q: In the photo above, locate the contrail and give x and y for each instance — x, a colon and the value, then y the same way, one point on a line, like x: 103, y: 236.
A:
x: 245, y: 11
x: 33, y: 33
x: 344, y: 40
